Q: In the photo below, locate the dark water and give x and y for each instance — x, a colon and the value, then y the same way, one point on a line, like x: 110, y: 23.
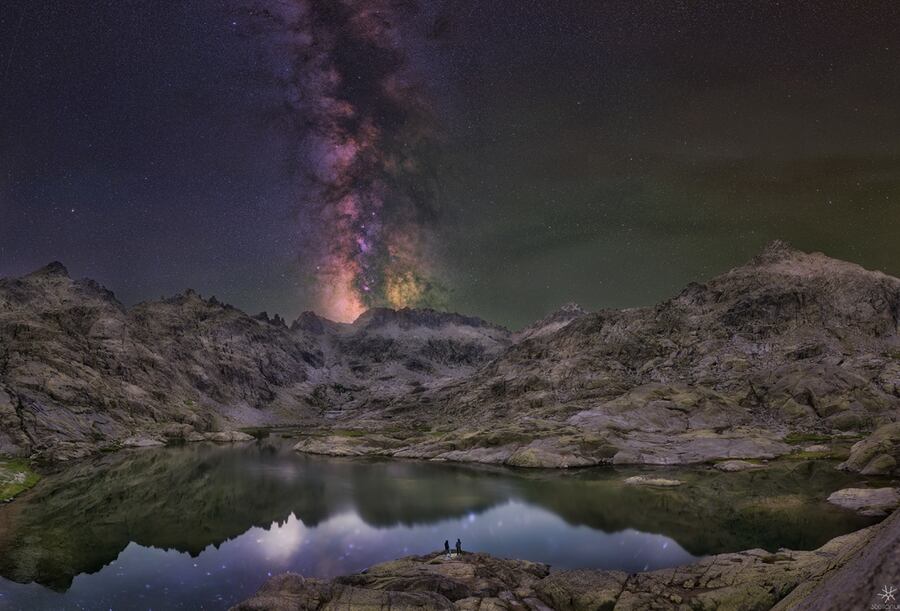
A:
x: 201, y: 526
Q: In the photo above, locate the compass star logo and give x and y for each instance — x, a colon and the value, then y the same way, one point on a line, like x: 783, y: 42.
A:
x: 887, y: 594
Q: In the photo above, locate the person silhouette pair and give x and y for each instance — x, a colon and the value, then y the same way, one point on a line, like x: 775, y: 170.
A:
x: 458, y: 547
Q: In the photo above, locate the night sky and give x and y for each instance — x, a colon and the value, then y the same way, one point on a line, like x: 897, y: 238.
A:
x: 496, y: 158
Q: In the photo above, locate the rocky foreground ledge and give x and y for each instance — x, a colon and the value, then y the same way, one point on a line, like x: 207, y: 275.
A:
x: 845, y: 573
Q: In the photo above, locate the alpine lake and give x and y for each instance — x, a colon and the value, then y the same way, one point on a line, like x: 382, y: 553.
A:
x: 202, y: 526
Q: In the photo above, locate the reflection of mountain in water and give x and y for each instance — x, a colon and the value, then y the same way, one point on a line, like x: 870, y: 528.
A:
x: 191, y: 497
x: 714, y: 512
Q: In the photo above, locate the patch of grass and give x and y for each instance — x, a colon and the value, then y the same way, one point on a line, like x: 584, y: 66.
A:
x: 797, y: 437
x: 810, y: 456
x: 16, y: 476
x: 347, y: 433
x: 753, y: 461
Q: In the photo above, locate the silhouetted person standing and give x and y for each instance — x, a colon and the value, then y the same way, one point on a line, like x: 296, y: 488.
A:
x: 458, y: 547
x: 447, y: 547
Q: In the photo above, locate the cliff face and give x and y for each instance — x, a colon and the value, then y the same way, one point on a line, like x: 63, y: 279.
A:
x: 790, y: 341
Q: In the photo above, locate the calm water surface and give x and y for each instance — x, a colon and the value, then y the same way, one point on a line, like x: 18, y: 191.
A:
x: 202, y: 526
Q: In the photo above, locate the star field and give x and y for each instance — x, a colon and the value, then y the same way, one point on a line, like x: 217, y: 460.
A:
x: 605, y: 153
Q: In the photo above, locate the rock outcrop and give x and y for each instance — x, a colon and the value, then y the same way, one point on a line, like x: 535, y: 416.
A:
x: 867, y: 501
x: 552, y: 322
x: 878, y: 454
x: 725, y: 370
x: 732, y: 466
x: 849, y: 569
x: 646, y: 480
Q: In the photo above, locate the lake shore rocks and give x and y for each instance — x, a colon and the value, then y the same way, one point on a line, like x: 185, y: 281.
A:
x: 349, y: 445
x: 817, y: 449
x: 649, y: 480
x: 854, y: 580
x: 224, y: 437
x: 735, y: 466
x: 878, y: 454
x: 748, y: 580
x: 867, y: 501
x: 142, y: 441
x: 560, y: 449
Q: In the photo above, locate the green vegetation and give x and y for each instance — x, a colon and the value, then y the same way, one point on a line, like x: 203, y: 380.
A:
x: 753, y: 461
x: 16, y: 476
x: 347, y: 432
x: 797, y: 437
x: 809, y: 456
x: 833, y: 453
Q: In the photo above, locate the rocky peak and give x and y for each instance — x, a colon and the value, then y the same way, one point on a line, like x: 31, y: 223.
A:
x: 310, y: 322
x: 275, y: 320
x: 553, y: 322
x: 779, y: 263
x: 54, y: 269
x: 776, y: 251
x: 93, y: 289
x: 567, y: 312
x: 783, y: 289
x: 188, y: 296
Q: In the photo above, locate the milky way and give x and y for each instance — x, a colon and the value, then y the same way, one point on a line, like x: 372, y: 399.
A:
x: 366, y: 140
x: 600, y: 152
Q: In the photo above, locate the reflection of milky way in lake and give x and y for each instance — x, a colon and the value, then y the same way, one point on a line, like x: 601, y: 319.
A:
x: 342, y: 544
x: 203, y: 526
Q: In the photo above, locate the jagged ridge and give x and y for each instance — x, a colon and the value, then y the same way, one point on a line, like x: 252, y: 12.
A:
x: 789, y: 341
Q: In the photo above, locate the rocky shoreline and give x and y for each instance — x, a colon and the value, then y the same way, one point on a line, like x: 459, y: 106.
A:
x: 548, y: 449
x: 736, y: 450
x: 846, y: 573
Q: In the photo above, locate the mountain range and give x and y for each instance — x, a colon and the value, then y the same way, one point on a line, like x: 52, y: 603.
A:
x: 790, y: 343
